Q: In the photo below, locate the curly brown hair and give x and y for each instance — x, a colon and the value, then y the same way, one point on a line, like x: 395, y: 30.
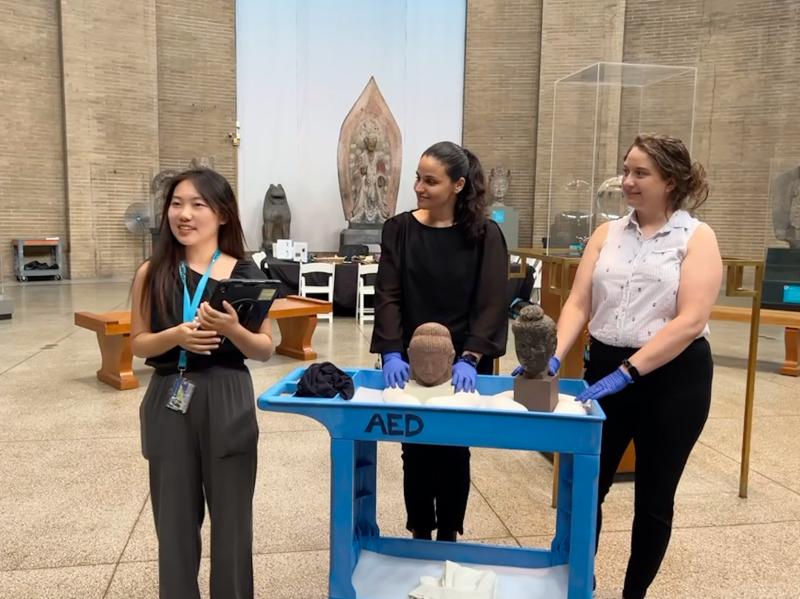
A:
x: 671, y: 158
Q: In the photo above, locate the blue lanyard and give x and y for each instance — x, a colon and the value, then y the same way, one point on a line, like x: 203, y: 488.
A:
x: 190, y: 305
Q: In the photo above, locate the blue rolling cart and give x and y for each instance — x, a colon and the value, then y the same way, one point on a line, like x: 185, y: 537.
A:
x: 356, y: 427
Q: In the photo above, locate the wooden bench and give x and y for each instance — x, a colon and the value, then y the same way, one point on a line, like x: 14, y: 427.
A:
x: 791, y: 334
x: 296, y: 316
x: 114, y: 338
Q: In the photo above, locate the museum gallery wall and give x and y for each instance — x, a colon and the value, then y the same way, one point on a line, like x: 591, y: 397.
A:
x: 300, y: 68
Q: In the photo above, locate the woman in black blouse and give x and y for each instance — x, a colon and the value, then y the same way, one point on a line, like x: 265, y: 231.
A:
x: 444, y: 262
x: 199, y: 429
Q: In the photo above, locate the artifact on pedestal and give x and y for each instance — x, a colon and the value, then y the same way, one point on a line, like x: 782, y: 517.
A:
x: 506, y: 217
x: 369, y: 158
x: 499, y: 180
x: 786, y: 207
x: 609, y: 202
x: 277, y: 217
x: 535, y: 342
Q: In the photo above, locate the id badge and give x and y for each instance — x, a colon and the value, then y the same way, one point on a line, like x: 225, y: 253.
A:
x: 180, y: 395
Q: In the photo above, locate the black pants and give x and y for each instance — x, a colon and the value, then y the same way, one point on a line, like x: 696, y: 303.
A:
x: 436, y: 482
x: 664, y: 414
x: 206, y: 456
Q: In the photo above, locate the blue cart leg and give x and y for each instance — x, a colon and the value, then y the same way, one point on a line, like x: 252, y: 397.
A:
x: 343, y: 551
x: 559, y: 548
x: 586, y: 470
x: 366, y: 494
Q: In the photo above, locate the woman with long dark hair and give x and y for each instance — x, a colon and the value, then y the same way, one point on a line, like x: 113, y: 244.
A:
x: 199, y: 430
x: 444, y: 262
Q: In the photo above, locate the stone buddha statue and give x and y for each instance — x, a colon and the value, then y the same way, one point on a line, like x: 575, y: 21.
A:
x: 535, y: 342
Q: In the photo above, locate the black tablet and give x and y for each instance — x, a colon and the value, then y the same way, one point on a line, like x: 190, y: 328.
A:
x: 251, y: 298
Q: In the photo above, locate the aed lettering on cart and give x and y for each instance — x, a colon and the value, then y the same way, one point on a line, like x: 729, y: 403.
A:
x: 396, y: 425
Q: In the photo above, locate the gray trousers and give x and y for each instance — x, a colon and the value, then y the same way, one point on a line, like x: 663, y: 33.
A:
x: 207, y: 455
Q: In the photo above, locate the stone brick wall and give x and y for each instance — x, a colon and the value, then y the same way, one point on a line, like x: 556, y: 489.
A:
x: 748, y: 56
x: 111, y: 122
x: 197, y: 83
x: 97, y: 95
x: 501, y: 84
x: 32, y: 201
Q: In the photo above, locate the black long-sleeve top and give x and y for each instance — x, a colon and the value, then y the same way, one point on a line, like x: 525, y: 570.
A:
x: 227, y: 354
x: 431, y: 274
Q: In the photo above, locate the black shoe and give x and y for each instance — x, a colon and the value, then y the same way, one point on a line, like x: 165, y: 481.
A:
x: 425, y: 535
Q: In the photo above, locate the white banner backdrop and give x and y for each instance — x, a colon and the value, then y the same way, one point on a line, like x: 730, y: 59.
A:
x: 301, y: 64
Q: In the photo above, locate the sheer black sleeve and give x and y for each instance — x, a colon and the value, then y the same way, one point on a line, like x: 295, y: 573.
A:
x: 488, y: 321
x: 387, y: 332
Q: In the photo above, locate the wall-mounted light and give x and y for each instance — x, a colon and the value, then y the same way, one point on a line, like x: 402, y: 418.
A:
x: 234, y: 137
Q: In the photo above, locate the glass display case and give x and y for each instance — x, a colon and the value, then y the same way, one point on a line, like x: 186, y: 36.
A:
x: 784, y: 202
x: 781, y: 288
x: 597, y: 113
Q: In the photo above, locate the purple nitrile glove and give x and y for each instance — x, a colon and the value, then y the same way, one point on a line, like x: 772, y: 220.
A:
x: 553, y: 364
x: 464, y: 376
x: 608, y: 385
x: 396, y: 371
x: 552, y: 367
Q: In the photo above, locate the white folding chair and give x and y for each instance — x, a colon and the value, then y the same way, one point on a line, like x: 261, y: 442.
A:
x: 363, y: 313
x: 259, y: 258
x: 305, y: 289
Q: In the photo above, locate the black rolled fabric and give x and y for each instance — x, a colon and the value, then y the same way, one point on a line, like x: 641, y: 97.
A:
x: 325, y: 380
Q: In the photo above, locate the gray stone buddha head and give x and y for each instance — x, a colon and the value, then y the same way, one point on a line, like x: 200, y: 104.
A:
x: 535, y: 340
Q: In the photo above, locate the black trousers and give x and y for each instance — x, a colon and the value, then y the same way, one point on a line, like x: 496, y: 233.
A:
x: 663, y: 413
x: 436, y: 482
x: 206, y: 456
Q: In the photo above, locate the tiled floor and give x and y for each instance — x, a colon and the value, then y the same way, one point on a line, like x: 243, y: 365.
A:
x: 75, y: 518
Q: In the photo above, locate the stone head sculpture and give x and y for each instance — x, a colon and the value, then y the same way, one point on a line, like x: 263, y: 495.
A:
x: 535, y: 340
x: 158, y: 187
x: 499, y: 180
x: 430, y: 354
x: 202, y: 162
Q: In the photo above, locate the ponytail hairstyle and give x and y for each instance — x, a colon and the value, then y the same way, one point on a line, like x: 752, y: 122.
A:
x: 671, y: 158
x: 160, y: 278
x: 470, y: 208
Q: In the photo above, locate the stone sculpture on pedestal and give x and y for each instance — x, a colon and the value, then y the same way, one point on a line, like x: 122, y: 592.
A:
x: 499, y: 180
x: 277, y: 217
x: 368, y: 159
x: 535, y: 342
x: 506, y: 217
x: 786, y: 207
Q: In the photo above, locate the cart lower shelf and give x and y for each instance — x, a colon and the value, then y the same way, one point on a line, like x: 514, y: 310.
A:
x: 380, y: 576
